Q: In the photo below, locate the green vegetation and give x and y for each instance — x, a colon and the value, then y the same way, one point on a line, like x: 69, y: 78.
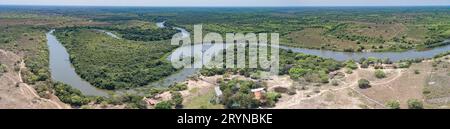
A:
x: 416, y: 71
x: 140, y: 56
x: 312, y: 68
x: 202, y: 101
x: 70, y: 95
x: 237, y: 94
x: 334, y: 83
x: 177, y: 99
x: 363, y: 83
x: 164, y: 105
x: 272, y: 98
x: 380, y: 74
x: 351, y: 64
x: 393, y: 104
x: 3, y: 69
x: 29, y: 40
x: 178, y: 87
x: 140, y: 30
x: 356, y: 29
x: 111, y: 64
x: 415, y: 104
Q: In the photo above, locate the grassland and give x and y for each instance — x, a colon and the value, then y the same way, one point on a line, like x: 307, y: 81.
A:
x: 139, y: 57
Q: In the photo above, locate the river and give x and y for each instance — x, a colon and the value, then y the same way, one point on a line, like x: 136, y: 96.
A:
x: 63, y: 71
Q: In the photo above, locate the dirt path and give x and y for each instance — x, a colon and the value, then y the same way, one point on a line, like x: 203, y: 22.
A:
x: 31, y: 91
x: 399, y: 74
x: 349, y: 84
x: 295, y: 100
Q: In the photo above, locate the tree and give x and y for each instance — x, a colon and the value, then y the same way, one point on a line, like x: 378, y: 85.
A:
x: 365, y: 64
x: 380, y: 74
x: 351, y: 64
x: 393, y: 104
x: 416, y: 71
x: 363, y: 83
x: 178, y: 87
x: 415, y: 104
x: 164, y: 105
x: 78, y: 101
x: 296, y: 73
x: 177, y: 99
x: 272, y: 98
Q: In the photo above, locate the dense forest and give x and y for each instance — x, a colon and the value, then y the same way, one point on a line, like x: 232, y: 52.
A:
x: 140, y: 30
x: 111, y: 64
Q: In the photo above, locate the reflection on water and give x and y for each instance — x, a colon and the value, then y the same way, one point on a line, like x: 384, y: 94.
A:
x: 62, y: 70
x: 393, y: 56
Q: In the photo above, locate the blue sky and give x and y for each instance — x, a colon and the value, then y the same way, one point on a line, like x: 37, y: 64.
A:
x: 228, y: 2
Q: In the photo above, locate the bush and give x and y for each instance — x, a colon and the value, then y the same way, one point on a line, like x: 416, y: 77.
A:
x: 416, y: 71
x: 349, y: 71
x: 70, y: 95
x: 2, y: 69
x: 415, y: 104
x: 272, y: 98
x: 393, y: 104
x: 164, y: 105
x: 404, y: 64
x: 380, y: 74
x: 177, y: 99
x: 179, y: 87
x: 335, y: 83
x: 365, y: 64
x: 351, y: 64
x: 363, y: 83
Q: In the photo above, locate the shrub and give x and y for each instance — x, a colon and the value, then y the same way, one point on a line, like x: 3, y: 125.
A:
x: 392, y: 104
x: 380, y: 74
x: 179, y: 87
x: 349, y: 71
x: 164, y: 105
x: 335, y: 83
x: 365, y: 64
x: 272, y: 98
x: 416, y: 71
x: 177, y: 99
x: 404, y: 64
x: 2, y: 69
x: 363, y: 83
x: 415, y: 104
x: 351, y: 64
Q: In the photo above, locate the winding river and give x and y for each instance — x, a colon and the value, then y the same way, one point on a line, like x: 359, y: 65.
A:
x: 63, y: 71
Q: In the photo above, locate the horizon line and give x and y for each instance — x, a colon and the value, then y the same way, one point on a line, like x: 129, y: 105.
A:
x: 62, y: 5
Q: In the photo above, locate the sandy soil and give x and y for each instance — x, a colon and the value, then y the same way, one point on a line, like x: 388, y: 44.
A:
x: 349, y: 95
x: 401, y: 85
x: 321, y: 97
x: 18, y: 95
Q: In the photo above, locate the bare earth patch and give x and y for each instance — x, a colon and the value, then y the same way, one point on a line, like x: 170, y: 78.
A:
x: 17, y: 95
